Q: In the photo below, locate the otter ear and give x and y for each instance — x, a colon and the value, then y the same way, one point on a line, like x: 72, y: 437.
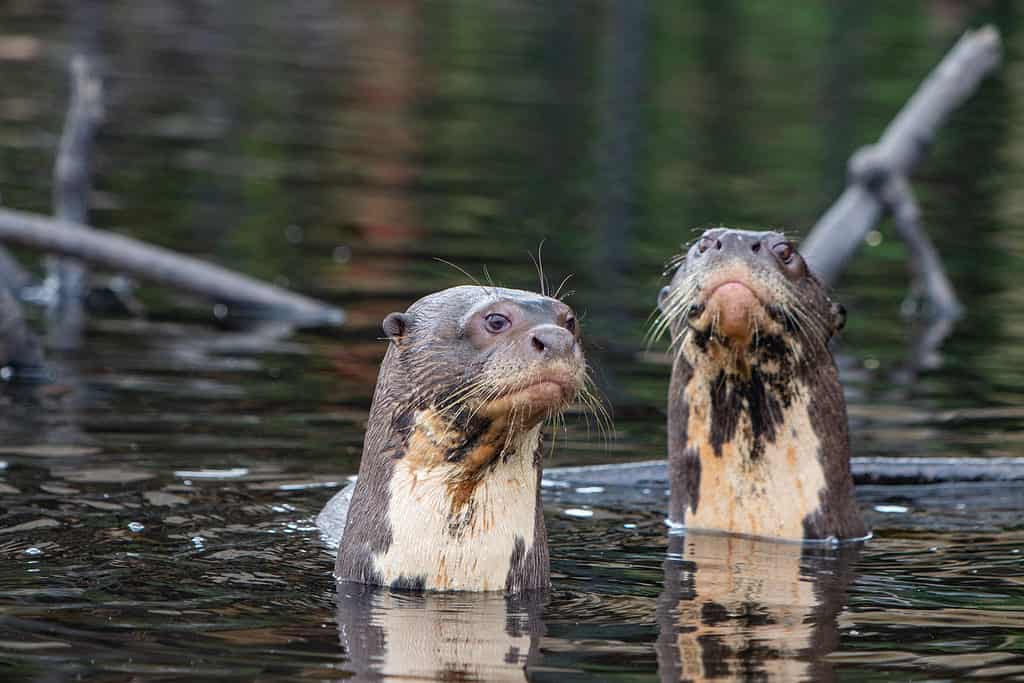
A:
x: 838, y: 317
x: 662, y: 296
x: 395, y: 325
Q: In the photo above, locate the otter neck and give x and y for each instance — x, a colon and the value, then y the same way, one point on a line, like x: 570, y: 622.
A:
x: 745, y: 450
x: 463, y: 511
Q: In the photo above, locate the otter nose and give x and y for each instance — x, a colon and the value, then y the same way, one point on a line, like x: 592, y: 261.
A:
x: 552, y: 341
x: 736, y: 243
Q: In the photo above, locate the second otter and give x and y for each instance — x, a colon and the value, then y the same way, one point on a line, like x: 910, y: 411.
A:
x: 448, y: 494
x: 757, y: 428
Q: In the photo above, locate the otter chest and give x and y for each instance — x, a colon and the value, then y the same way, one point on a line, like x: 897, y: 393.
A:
x: 750, y: 482
x: 446, y: 537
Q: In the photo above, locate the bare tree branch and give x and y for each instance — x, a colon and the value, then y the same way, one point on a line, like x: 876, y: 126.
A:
x: 837, y: 235
x: 161, y: 265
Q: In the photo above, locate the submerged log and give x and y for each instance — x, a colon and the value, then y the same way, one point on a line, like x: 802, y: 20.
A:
x: 164, y: 266
x: 878, y: 174
x: 866, y: 470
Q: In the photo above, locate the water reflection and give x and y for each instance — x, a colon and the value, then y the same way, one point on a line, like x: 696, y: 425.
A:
x: 453, y: 636
x: 734, y: 608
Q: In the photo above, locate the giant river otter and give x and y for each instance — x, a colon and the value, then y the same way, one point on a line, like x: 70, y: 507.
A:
x: 448, y: 494
x: 757, y: 427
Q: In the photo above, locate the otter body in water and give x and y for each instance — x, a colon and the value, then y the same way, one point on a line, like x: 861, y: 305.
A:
x: 757, y: 425
x: 448, y: 493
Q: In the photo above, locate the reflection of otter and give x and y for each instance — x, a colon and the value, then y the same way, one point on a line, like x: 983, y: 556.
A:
x: 757, y: 427
x: 465, y: 636
x: 448, y: 494
x: 739, y: 608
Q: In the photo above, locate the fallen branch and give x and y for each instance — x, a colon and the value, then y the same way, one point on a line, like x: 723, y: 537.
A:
x: 157, y: 264
x: 877, y: 173
x: 866, y: 470
x: 72, y: 189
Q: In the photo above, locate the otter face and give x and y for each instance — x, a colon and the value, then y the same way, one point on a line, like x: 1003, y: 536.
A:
x: 739, y: 297
x: 482, y: 354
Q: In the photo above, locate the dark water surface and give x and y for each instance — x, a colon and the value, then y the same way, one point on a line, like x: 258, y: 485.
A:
x: 157, y: 498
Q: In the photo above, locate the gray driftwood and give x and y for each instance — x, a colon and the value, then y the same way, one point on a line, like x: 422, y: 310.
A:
x: 161, y: 265
x: 71, y: 191
x: 878, y: 174
x: 866, y: 470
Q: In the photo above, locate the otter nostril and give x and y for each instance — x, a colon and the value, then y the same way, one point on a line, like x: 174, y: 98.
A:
x: 756, y: 247
x: 538, y: 344
x: 718, y: 244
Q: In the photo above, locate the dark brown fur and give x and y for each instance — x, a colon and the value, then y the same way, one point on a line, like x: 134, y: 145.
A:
x: 428, y: 362
x: 757, y: 382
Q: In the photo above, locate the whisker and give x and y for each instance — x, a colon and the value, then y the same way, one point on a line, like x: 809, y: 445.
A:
x: 460, y: 269
x: 562, y: 284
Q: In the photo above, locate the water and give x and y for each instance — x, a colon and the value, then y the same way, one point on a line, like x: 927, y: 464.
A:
x: 158, y: 496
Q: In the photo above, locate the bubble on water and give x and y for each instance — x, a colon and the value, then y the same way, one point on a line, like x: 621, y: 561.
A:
x: 629, y: 526
x: 136, y: 526
x: 590, y: 489
x: 220, y: 311
x: 6, y: 373
x: 892, y: 509
x: 578, y: 512
x: 33, y: 551
x: 961, y: 506
x: 198, y: 542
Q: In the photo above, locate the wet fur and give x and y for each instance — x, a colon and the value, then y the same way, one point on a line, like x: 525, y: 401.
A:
x: 758, y: 440
x: 448, y: 495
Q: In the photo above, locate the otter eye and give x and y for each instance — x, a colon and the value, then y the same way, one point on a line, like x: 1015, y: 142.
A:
x: 785, y: 251
x: 496, y: 322
x: 570, y: 324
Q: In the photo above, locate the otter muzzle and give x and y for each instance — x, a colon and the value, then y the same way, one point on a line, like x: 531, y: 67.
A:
x: 733, y: 306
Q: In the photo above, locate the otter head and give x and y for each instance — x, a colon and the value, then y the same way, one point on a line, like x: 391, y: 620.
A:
x: 757, y: 422
x: 483, y: 363
x: 448, y: 490
x: 742, y: 299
